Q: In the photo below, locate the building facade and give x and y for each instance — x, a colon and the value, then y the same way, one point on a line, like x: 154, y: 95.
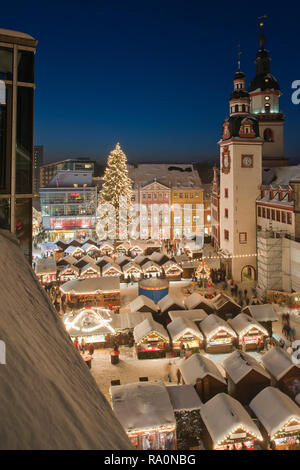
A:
x: 17, y: 51
x: 49, y: 170
x: 38, y: 158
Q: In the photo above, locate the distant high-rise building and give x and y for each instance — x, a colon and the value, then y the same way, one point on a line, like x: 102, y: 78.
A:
x: 38, y: 157
x: 17, y: 52
x: 49, y: 170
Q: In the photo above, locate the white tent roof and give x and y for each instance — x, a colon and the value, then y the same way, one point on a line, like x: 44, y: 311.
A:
x: 69, y: 259
x: 109, y: 266
x: 180, y: 326
x: 171, y: 264
x: 151, y: 265
x: 142, y: 406
x: 122, y: 259
x: 210, y: 325
x: 130, y: 319
x: 73, y: 249
x: 45, y: 266
x: 274, y: 409
x: 90, y: 247
x: 278, y: 362
x: 69, y: 267
x: 263, y: 313
x: 196, y: 299
x: 222, y: 299
x: 184, y: 397
x: 239, y: 364
x: 147, y: 327
x: 197, y: 367
x: 167, y: 301
x: 91, y: 266
x: 92, y: 285
x: 142, y: 301
x: 223, y: 415
x: 131, y: 266
x: 242, y: 323
x: 194, y: 315
x: 50, y: 246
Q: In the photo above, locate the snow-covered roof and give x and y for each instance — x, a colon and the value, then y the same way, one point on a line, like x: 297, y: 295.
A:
x: 263, y: 312
x: 90, y: 266
x: 142, y: 301
x: 157, y: 256
x: 242, y: 323
x: 112, y: 266
x: 50, y: 246
x: 148, y: 326
x: 210, y: 326
x: 179, y: 176
x: 167, y: 301
x: 281, y: 175
x: 184, y: 397
x: 195, y: 299
x: 130, y: 319
x: 171, y: 264
x: 45, y: 266
x: 223, y: 415
x: 104, y: 260
x: 180, y: 326
x: 239, y: 364
x: 194, y: 315
x: 90, y: 247
x: 69, y: 259
x: 274, y: 409
x: 70, y: 268
x: 142, y: 406
x: 73, y: 249
x: 278, y: 362
x: 221, y: 300
x: 92, y: 285
x: 49, y: 399
x: 151, y: 265
x: 131, y: 266
x: 122, y: 260
x: 197, y: 367
x: 106, y: 244
x: 141, y: 259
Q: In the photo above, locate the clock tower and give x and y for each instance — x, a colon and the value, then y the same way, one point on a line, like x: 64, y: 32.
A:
x: 240, y: 179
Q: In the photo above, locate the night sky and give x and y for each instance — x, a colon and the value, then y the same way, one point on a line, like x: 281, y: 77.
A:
x: 154, y: 76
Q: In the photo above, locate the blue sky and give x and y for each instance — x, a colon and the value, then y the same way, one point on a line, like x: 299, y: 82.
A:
x: 153, y: 75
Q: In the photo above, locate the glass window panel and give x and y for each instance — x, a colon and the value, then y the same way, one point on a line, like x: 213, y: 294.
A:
x: 6, y: 61
x: 5, y: 136
x: 5, y: 214
x: 26, y: 66
x: 23, y: 221
x: 24, y: 144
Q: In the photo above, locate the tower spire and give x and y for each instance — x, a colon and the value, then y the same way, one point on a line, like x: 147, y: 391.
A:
x: 262, y: 39
x: 239, y: 57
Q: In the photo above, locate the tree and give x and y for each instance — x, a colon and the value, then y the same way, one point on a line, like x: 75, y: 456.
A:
x: 116, y: 191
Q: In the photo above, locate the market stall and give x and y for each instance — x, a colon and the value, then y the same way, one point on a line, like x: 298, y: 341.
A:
x: 282, y: 369
x: 225, y: 306
x: 185, y: 334
x: 264, y: 314
x: 281, y: 429
x: 245, y: 376
x: 172, y: 270
x: 151, y: 269
x: 227, y: 425
x: 151, y: 339
x: 111, y: 269
x: 89, y: 270
x: 145, y: 412
x: 218, y: 335
x: 68, y: 272
x: 204, y: 375
x: 249, y: 332
x: 194, y: 315
x: 143, y: 304
x: 46, y: 270
x: 106, y: 248
x: 168, y: 303
x: 132, y: 270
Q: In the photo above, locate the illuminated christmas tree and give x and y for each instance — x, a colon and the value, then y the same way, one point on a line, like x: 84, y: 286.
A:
x: 117, y: 191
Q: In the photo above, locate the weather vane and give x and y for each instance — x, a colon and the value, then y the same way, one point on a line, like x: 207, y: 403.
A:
x: 261, y: 19
x: 239, y: 56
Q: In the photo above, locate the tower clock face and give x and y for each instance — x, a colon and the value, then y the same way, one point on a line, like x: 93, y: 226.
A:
x: 226, y: 161
x: 247, y: 161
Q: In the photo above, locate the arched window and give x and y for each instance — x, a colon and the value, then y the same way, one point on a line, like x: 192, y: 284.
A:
x: 267, y: 107
x: 243, y: 108
x: 268, y: 135
x: 236, y: 108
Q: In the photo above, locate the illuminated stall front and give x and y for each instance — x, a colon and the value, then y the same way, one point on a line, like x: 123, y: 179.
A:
x: 68, y: 273
x: 145, y: 411
x: 172, y: 270
x: 219, y: 336
x: 89, y: 270
x: 151, y: 339
x: 185, y: 334
x: 111, y: 269
x: 132, y: 270
x: 151, y: 269
x: 93, y: 292
x: 46, y: 270
x: 249, y: 332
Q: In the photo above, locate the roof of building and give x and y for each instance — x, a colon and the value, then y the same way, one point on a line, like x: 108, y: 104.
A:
x: 154, y: 283
x: 223, y: 415
x: 242, y: 323
x: 109, y: 266
x: 197, y: 367
x: 274, y: 409
x: 239, y: 364
x: 179, y: 176
x: 142, y: 301
x: 280, y: 175
x: 210, y: 325
x: 45, y: 266
x: 130, y: 319
x: 180, y: 326
x: 184, y: 397
x: 148, y: 326
x: 167, y: 302
x: 142, y: 406
x: 262, y: 313
x: 193, y: 315
x: 278, y: 362
x: 196, y: 299
x: 131, y: 265
x: 92, y: 285
x: 221, y: 300
x: 49, y: 399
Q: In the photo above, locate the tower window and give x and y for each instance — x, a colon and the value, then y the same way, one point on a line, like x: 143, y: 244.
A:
x: 226, y: 234
x: 236, y: 108
x: 268, y: 135
x: 243, y: 108
x: 267, y: 108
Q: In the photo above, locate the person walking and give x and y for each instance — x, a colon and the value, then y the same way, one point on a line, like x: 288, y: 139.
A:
x: 178, y: 376
x: 91, y: 349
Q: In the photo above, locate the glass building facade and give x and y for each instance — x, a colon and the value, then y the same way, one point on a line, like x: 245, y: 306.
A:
x: 17, y: 51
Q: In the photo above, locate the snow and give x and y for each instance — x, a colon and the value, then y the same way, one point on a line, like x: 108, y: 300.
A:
x: 210, y: 325
x: 92, y: 285
x: 111, y: 266
x: 197, y: 367
x: 142, y: 406
x: 262, y: 313
x: 69, y: 259
x: 175, y: 176
x: 148, y: 326
x: 223, y: 415
x: 49, y: 399
x: 195, y: 300
x: 73, y: 249
x: 89, y: 247
x: 221, y: 300
x: 142, y: 301
x: 181, y: 326
x: 274, y: 409
x: 239, y: 364
x: 45, y: 266
x: 167, y: 301
x: 243, y: 323
x: 131, y: 266
x: 281, y: 175
x: 193, y: 315
x: 278, y: 362
x: 184, y: 397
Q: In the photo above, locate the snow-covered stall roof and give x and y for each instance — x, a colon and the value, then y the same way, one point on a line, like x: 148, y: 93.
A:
x: 180, y: 326
x: 49, y: 399
x: 130, y: 319
x: 131, y: 266
x: 122, y: 260
x: 45, y: 266
x: 278, y: 362
x: 212, y: 324
x: 158, y: 257
x: 194, y: 315
x: 103, y: 260
x: 106, y: 244
x: 111, y: 266
x: 142, y: 301
x: 141, y: 259
x: 142, y: 406
x: 151, y: 266
x: 184, y: 397
x: 71, y: 250
x: 223, y: 415
x: 197, y: 367
x: 195, y: 299
x: 91, y: 286
x: 171, y: 265
x: 167, y: 301
x: 274, y: 409
x: 90, y: 266
x: 177, y: 175
x: 242, y: 323
x: 48, y: 247
x: 148, y: 326
x: 90, y: 247
x: 239, y: 364
x: 221, y: 300
x: 263, y: 313
x: 70, y: 267
x: 69, y: 259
